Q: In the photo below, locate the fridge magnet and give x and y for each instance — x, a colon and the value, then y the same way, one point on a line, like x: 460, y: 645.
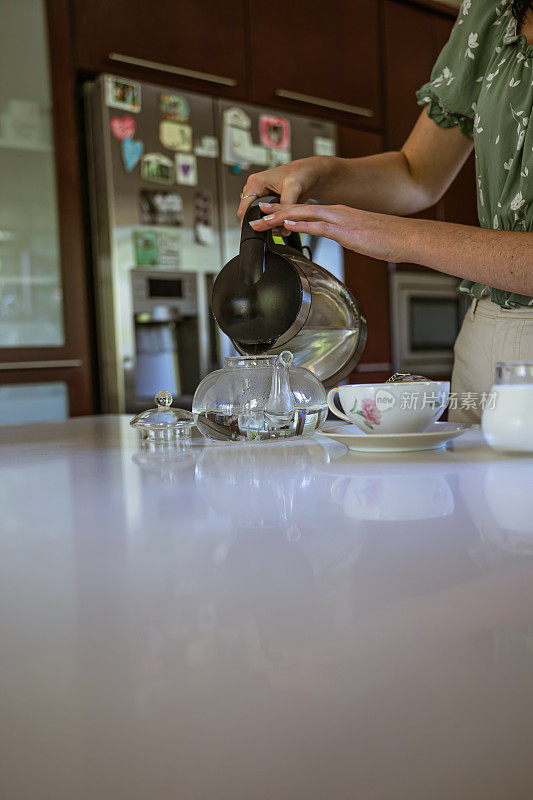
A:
x: 123, y: 94
x: 239, y: 148
x: 204, y: 234
x: 235, y: 117
x: 203, y: 222
x: 207, y: 147
x: 146, y: 250
x: 175, y: 136
x: 169, y: 248
x: 323, y: 146
x: 174, y: 107
x: 275, y: 132
x: 277, y: 157
x: 158, y: 168
x: 122, y: 127
x: 186, y: 169
x: 132, y: 150
x: 160, y: 207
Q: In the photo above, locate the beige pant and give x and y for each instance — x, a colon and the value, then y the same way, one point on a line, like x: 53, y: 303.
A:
x: 488, y: 334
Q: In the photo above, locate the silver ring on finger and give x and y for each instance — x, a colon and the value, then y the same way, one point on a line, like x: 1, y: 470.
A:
x: 244, y: 196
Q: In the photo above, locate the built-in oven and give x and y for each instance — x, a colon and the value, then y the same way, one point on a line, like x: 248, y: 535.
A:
x: 427, y: 312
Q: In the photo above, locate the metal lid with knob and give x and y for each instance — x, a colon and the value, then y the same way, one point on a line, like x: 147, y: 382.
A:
x: 163, y: 423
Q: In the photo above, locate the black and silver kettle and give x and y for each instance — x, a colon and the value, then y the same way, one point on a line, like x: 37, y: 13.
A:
x: 271, y: 298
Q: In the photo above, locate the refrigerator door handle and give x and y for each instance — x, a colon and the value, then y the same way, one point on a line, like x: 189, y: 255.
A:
x: 319, y: 101
x: 186, y: 73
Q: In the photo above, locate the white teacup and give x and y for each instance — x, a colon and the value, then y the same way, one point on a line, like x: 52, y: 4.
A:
x: 391, y: 407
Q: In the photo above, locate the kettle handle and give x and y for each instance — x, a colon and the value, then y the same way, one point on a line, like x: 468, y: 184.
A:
x: 252, y: 249
x: 253, y: 243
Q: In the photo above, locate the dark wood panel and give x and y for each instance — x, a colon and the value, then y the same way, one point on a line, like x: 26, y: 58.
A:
x: 325, y: 50
x: 414, y: 37
x: 354, y: 143
x: 370, y: 377
x: 205, y: 36
x: 73, y: 274
x: 460, y: 201
x: 443, y: 9
x: 76, y: 379
x: 368, y: 280
x: 366, y: 277
x: 410, y: 53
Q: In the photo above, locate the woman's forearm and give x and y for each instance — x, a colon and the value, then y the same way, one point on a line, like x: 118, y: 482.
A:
x: 400, y: 183
x: 382, y: 183
x: 502, y: 259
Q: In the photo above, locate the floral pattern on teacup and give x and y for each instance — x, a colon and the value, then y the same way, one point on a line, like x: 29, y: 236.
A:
x: 369, y: 412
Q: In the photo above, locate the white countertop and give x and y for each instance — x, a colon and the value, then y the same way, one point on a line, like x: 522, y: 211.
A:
x: 262, y: 622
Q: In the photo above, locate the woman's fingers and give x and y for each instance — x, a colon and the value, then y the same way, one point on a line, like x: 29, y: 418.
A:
x: 291, y: 190
x: 278, y: 214
x: 261, y: 184
x: 319, y: 228
x: 249, y: 195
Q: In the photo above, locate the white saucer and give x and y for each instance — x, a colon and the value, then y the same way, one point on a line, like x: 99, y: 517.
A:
x: 436, y: 436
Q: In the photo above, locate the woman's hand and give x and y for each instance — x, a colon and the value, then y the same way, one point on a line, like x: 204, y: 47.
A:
x: 378, y: 235
x: 293, y: 182
x: 496, y: 258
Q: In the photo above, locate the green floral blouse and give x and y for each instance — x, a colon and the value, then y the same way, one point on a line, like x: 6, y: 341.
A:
x: 483, y: 82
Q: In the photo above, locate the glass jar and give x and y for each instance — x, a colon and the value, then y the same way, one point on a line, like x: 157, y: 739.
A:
x: 507, y: 420
x: 258, y: 398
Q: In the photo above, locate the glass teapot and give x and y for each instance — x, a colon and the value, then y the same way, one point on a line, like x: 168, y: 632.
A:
x: 257, y: 398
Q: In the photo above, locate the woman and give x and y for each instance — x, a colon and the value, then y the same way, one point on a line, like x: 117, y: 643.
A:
x: 480, y: 95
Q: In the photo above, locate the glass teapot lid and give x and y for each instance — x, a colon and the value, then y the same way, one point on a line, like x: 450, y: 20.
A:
x: 163, y: 423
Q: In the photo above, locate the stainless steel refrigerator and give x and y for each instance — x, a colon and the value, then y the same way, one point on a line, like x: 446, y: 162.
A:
x: 165, y: 172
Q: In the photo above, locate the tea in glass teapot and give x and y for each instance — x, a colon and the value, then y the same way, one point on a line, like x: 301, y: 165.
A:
x: 259, y: 397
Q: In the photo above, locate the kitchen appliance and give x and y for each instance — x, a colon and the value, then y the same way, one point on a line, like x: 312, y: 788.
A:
x: 293, y: 136
x: 155, y: 224
x: 426, y: 314
x: 271, y: 297
x: 166, y: 169
x: 165, y: 310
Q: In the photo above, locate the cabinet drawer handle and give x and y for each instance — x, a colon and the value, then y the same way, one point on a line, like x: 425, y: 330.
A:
x: 60, y: 364
x: 186, y: 73
x: 319, y: 101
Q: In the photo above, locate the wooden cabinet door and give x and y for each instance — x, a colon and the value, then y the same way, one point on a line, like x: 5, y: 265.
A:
x: 45, y: 351
x: 198, y: 44
x: 410, y: 53
x: 413, y: 39
x: 318, y: 58
x: 368, y: 278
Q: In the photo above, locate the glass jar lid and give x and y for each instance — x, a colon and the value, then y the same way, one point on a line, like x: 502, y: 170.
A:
x: 163, y: 422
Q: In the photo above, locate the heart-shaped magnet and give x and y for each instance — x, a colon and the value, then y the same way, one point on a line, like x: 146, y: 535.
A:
x: 132, y: 151
x: 123, y: 127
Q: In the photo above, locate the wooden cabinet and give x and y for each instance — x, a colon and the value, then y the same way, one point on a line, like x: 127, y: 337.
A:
x: 45, y: 353
x: 368, y: 278
x: 199, y: 45
x: 413, y: 39
x: 410, y: 53
x: 318, y: 58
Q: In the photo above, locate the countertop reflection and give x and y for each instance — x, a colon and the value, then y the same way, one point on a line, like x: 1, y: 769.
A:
x: 262, y: 620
